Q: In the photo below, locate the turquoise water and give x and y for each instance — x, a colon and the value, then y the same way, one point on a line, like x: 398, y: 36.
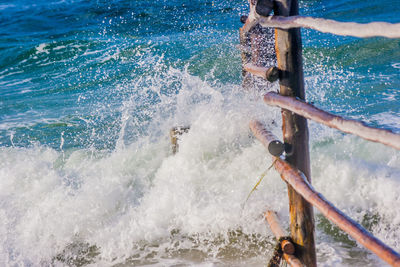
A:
x: 89, y: 91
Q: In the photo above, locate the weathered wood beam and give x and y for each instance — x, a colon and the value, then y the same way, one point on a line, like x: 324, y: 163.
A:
x: 174, y: 134
x: 287, y: 246
x: 258, y: 44
x: 358, y: 128
x: 244, y: 48
x: 298, y: 181
x: 361, y: 30
x: 272, y: 143
x: 270, y: 74
x: 288, y: 49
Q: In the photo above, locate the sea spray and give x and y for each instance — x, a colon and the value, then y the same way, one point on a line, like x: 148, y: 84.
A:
x: 141, y: 204
x: 89, y: 92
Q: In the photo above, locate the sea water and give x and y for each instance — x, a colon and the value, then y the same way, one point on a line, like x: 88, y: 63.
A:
x: 90, y: 89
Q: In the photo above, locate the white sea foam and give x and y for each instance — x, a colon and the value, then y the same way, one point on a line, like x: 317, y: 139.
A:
x: 10, y: 72
x: 59, y: 47
x: 17, y: 82
x: 388, y: 119
x: 396, y: 65
x: 6, y: 6
x: 108, y: 57
x: 42, y: 49
x: 93, y: 52
x: 142, y: 204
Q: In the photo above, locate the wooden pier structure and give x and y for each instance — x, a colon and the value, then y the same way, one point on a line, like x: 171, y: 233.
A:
x: 294, y: 167
x: 276, y: 55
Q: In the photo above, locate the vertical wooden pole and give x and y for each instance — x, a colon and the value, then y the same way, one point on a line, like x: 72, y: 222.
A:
x: 295, y: 131
x: 245, y: 45
x: 174, y: 134
x: 259, y: 50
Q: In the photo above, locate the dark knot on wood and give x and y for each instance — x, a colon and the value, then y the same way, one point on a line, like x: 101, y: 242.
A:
x: 243, y: 19
x: 264, y: 7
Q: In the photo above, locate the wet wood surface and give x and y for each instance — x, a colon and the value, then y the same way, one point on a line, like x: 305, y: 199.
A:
x: 358, y: 128
x: 288, y: 49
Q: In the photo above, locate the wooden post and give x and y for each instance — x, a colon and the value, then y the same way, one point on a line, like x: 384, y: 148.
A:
x: 287, y: 246
x: 277, y: 230
x: 245, y: 45
x: 295, y: 131
x: 259, y: 42
x: 174, y: 134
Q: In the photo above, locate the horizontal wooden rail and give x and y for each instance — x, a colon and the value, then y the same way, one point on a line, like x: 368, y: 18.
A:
x: 299, y: 182
x: 287, y: 247
x: 346, y: 125
x: 270, y: 74
x: 361, y: 30
x: 273, y: 145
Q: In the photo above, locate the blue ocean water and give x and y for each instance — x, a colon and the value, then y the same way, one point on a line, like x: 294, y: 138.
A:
x: 89, y: 91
